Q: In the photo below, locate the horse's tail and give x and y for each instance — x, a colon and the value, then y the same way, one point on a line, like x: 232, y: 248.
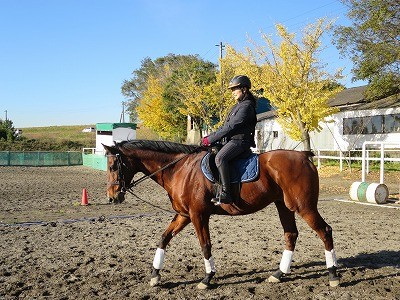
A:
x: 309, y: 153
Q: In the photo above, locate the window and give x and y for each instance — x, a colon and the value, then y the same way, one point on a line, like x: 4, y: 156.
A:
x: 372, y: 125
x: 392, y: 123
x: 353, y: 125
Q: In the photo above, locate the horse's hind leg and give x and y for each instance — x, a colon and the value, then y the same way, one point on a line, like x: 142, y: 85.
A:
x: 324, y: 231
x: 288, y: 222
x: 177, y: 224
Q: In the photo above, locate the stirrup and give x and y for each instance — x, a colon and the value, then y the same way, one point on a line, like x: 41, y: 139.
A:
x: 218, y: 201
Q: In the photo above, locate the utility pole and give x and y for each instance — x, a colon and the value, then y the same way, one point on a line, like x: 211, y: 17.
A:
x: 122, y: 117
x: 6, y: 114
x: 221, y: 47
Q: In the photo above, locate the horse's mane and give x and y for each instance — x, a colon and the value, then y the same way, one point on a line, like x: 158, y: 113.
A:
x: 160, y: 146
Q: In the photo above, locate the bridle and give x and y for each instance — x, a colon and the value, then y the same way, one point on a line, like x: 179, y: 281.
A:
x: 121, y: 177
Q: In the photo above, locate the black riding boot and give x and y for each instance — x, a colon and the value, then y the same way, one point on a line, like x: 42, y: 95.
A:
x: 225, y: 196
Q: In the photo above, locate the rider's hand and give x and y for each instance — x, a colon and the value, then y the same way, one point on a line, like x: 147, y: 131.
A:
x: 205, y: 142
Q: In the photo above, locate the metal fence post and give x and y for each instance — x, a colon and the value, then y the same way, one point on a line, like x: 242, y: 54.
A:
x: 341, y: 160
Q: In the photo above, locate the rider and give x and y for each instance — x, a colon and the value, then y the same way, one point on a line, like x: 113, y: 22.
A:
x: 237, y: 132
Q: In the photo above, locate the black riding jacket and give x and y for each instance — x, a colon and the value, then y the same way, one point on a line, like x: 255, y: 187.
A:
x: 239, y: 124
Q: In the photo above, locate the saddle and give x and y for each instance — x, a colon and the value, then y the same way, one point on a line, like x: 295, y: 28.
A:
x: 245, y: 168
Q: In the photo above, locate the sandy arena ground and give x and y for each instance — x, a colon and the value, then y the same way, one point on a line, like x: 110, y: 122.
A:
x: 54, y: 248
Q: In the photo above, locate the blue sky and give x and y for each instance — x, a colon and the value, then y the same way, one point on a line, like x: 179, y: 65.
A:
x: 62, y: 62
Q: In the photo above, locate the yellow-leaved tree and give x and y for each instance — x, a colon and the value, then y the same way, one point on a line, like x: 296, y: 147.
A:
x: 291, y: 76
x: 151, y: 109
x: 200, y: 100
x: 295, y: 81
x: 235, y: 63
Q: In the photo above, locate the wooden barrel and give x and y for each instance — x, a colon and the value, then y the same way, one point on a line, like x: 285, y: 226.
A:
x: 369, y: 192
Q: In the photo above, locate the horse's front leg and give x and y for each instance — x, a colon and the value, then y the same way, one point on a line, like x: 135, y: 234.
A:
x: 201, y: 225
x: 177, y: 224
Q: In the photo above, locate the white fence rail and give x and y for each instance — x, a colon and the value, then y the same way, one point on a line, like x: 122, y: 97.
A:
x: 371, y: 151
x: 349, y: 156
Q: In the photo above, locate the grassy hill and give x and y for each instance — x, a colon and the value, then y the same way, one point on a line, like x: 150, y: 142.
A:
x: 59, y: 134
x: 63, y: 138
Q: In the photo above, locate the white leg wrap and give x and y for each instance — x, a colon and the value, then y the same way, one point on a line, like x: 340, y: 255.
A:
x: 158, y: 261
x: 330, y: 257
x: 210, y: 265
x: 286, y: 261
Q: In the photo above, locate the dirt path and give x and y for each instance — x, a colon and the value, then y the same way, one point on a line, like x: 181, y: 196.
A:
x: 105, y: 251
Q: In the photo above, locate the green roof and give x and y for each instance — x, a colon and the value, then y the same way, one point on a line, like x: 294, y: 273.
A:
x: 111, y: 126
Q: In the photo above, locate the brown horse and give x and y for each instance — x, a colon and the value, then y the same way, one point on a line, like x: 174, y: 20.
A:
x: 287, y: 178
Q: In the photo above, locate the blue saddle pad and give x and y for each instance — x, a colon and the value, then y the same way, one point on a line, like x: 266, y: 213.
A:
x: 240, y: 170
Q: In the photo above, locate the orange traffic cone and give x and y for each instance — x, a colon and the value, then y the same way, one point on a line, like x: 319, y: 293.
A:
x: 84, y: 198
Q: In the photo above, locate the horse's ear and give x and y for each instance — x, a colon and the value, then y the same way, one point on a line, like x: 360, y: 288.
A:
x: 110, y: 149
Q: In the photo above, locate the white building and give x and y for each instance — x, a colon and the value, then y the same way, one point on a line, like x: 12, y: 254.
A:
x: 107, y: 134
x: 357, y: 121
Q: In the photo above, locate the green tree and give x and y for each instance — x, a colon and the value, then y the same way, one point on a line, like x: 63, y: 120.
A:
x: 160, y: 89
x: 134, y: 88
x: 195, y: 84
x: 7, y: 130
x: 373, y: 43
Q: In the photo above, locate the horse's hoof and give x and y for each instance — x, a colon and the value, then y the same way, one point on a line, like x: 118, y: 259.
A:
x: 203, y: 286
x: 273, y: 279
x: 276, y: 277
x: 333, y: 277
x: 155, y: 280
x: 334, y: 282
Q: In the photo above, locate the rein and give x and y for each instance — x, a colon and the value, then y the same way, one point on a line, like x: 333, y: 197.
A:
x: 143, y: 178
x: 134, y: 183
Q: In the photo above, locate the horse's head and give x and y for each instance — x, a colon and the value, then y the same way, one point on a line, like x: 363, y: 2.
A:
x: 119, y: 174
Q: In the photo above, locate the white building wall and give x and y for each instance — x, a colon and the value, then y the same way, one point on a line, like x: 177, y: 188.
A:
x: 103, y: 139
x: 272, y: 136
x: 330, y: 137
x: 355, y: 141
x: 117, y: 135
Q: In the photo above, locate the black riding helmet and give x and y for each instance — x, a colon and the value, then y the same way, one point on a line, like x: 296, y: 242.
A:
x: 240, y: 81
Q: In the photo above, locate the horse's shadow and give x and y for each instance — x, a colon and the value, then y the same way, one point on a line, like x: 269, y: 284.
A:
x: 370, y: 261
x: 362, y: 261
x: 313, y: 270
x: 376, y: 260
x: 251, y: 276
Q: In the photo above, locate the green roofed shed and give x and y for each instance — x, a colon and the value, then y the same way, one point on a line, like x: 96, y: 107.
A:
x: 111, y: 126
x: 107, y: 134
